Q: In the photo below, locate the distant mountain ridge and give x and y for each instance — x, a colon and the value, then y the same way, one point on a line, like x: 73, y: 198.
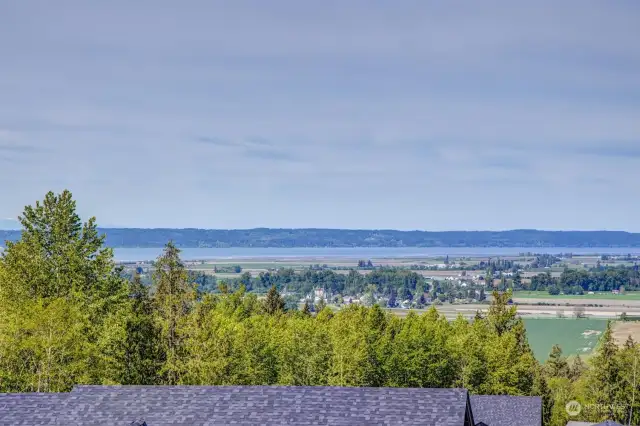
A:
x: 313, y: 237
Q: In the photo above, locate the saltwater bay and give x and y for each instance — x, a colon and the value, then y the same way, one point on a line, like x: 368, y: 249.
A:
x: 140, y: 254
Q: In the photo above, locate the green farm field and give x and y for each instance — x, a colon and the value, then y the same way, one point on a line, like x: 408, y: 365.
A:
x: 575, y: 336
x: 630, y: 295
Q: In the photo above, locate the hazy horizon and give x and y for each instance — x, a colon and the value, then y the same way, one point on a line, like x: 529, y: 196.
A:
x: 345, y: 115
x: 8, y: 224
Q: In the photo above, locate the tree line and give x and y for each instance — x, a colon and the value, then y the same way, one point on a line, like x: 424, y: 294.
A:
x: 385, y: 281
x: 268, y: 237
x: 574, y: 281
x: 69, y: 317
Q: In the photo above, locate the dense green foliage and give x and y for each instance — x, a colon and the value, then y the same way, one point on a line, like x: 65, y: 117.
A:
x: 266, y: 237
x: 574, y: 281
x: 384, y: 281
x: 69, y: 317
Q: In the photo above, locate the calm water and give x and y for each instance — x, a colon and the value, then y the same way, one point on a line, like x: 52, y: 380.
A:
x: 134, y: 254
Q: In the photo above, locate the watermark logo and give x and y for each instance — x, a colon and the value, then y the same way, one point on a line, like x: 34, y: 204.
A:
x: 573, y: 408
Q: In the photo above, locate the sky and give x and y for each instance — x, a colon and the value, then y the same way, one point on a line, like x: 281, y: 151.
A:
x: 368, y: 114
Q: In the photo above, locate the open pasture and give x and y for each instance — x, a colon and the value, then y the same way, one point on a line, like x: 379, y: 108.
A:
x: 623, y: 329
x: 575, y: 336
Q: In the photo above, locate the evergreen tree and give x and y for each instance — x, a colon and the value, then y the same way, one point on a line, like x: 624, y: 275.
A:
x: 320, y: 305
x: 392, y: 299
x: 141, y: 348
x: 517, y: 281
x: 173, y: 300
x: 482, y: 295
x: 63, y: 299
x: 377, y: 349
x: 57, y: 255
x: 306, y: 310
x: 604, y: 376
x: 557, y: 365
x: 502, y: 316
x: 274, y: 303
x: 541, y: 388
x: 421, y: 300
x: 629, y: 362
x: 577, y: 368
x: 503, y: 283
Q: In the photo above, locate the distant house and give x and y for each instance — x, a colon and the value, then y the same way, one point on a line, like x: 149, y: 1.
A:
x: 318, y: 294
x: 267, y: 405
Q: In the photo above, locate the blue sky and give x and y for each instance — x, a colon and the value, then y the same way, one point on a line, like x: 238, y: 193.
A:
x: 355, y: 114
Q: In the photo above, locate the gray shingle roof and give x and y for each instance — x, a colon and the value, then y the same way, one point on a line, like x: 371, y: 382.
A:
x: 33, y: 409
x: 502, y: 410
x: 265, y: 405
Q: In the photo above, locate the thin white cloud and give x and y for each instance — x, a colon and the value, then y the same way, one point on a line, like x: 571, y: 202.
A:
x: 309, y: 114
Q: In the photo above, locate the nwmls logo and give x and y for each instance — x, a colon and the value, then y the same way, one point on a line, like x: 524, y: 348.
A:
x: 573, y: 408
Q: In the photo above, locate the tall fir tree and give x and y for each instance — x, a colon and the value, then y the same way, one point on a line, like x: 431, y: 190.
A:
x: 557, y: 365
x: 517, y: 281
x: 142, y: 344
x: 306, y: 310
x: 605, y: 381
x: 274, y: 303
x: 173, y: 300
x: 502, y: 316
x: 64, y: 298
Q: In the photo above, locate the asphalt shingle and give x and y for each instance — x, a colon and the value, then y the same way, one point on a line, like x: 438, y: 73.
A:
x: 265, y: 405
x: 33, y: 409
x: 503, y: 410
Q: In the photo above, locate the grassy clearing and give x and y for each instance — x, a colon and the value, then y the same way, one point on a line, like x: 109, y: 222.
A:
x: 223, y: 276
x: 622, y: 330
x: 575, y: 336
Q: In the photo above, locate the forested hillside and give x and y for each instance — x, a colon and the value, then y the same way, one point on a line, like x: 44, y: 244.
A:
x: 265, y: 237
